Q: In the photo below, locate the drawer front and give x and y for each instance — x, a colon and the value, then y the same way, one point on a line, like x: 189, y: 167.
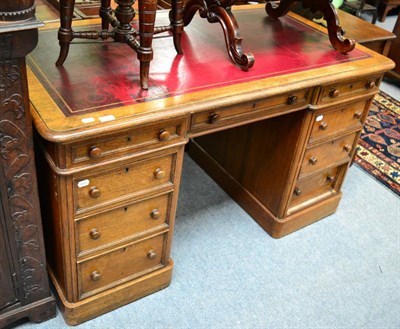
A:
x: 349, y: 117
x: 121, y: 223
x: 156, y: 136
x: 315, y: 187
x: 122, y: 182
x: 337, y: 92
x: 328, y: 154
x: 124, y: 263
x: 246, y: 111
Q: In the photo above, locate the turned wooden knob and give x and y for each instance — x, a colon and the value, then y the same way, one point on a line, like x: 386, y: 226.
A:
x: 95, y: 276
x: 159, y: 173
x: 358, y: 115
x: 334, y: 93
x: 155, y: 214
x: 151, y: 254
x: 292, y: 99
x: 313, y: 160
x: 370, y: 85
x: 94, y: 152
x: 347, y: 147
x: 214, y: 117
x: 164, y: 135
x: 94, y: 233
x: 330, y: 178
x: 94, y: 192
x: 297, y: 191
x: 323, y: 125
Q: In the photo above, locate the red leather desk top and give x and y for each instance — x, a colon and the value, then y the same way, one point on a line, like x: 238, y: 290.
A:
x: 105, y: 75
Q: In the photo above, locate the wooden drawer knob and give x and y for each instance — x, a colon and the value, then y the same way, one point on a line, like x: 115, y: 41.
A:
x: 95, y: 152
x: 334, y: 93
x: 94, y: 192
x: 330, y: 178
x: 292, y: 99
x: 151, y: 254
x: 159, y: 173
x: 164, y: 135
x: 323, y: 126
x: 94, y: 234
x: 313, y: 160
x: 358, y: 115
x: 347, y: 148
x: 213, y: 118
x: 95, y: 276
x: 155, y: 214
x: 297, y: 191
x: 370, y: 85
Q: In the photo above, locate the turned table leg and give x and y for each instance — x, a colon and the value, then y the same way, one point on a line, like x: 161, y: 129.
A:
x: 177, y: 24
x: 120, y: 19
x: 65, y: 34
x: 147, y: 17
x: 105, y: 12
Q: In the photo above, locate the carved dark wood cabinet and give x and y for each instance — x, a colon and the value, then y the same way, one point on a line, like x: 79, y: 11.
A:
x: 24, y: 287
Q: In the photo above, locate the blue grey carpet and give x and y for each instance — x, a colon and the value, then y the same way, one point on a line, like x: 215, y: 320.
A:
x: 341, y: 272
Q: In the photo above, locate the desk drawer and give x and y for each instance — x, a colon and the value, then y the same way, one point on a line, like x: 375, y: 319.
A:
x: 315, y: 188
x: 334, y: 152
x: 119, y: 265
x: 330, y: 123
x: 151, y: 137
x: 121, y: 182
x: 337, y: 92
x: 246, y: 111
x: 118, y: 224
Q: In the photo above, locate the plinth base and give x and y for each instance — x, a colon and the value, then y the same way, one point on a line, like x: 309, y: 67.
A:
x: 89, y: 308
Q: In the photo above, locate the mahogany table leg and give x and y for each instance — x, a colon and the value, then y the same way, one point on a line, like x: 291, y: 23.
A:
x: 65, y: 34
x: 328, y: 10
x: 147, y: 17
x: 219, y: 11
x: 105, y: 11
x: 177, y: 24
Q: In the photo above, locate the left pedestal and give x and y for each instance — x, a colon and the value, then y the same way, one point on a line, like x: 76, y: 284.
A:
x: 24, y: 282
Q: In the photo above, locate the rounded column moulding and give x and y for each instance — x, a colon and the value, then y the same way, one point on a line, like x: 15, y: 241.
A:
x: 17, y: 10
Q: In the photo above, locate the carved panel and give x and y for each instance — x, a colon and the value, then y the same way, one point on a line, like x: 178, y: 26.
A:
x: 7, y: 290
x: 16, y: 155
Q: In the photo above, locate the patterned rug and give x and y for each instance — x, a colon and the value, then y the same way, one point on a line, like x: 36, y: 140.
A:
x: 378, y: 150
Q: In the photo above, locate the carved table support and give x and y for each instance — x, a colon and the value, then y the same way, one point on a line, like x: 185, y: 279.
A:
x: 328, y: 10
x: 20, y: 223
x: 220, y: 11
x: 122, y: 31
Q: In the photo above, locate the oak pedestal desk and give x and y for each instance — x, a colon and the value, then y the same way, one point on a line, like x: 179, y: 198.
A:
x: 279, y: 138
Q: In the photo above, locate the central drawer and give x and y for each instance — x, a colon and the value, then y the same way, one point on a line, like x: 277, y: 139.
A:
x: 208, y: 120
x: 122, y: 182
x: 122, y: 264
